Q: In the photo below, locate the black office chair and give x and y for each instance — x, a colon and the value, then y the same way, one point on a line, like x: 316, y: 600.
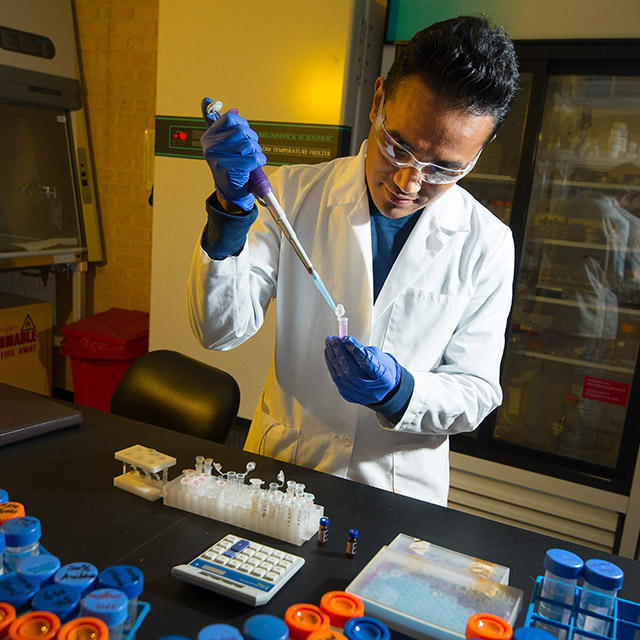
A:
x: 171, y: 390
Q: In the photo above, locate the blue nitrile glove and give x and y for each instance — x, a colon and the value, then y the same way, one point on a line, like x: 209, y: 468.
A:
x: 232, y: 152
x: 364, y: 375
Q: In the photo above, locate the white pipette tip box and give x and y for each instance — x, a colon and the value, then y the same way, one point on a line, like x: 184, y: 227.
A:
x: 144, y: 471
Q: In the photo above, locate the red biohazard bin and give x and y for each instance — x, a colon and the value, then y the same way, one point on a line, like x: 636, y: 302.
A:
x: 102, y: 348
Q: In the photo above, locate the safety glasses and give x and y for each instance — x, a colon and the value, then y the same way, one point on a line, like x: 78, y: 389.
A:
x: 399, y: 156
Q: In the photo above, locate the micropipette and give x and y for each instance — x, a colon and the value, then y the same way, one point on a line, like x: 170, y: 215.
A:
x: 262, y: 190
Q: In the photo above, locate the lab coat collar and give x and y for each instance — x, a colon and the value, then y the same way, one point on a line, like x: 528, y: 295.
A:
x: 350, y: 186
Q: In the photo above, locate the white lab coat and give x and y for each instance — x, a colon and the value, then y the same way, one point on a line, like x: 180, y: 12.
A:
x: 441, y: 313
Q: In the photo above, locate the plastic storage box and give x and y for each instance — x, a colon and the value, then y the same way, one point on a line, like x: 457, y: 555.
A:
x: 625, y: 623
x: 425, y: 598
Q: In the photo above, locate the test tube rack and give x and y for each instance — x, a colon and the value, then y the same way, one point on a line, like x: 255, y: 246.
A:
x: 290, y: 515
x: 145, y: 471
x: 624, y: 622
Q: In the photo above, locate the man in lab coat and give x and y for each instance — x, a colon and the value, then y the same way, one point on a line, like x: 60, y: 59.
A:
x: 423, y: 270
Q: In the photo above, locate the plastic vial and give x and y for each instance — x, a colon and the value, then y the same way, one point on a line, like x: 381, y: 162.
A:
x: 4, y: 496
x: 22, y: 537
x: 59, y: 599
x: 343, y: 321
x: 488, y: 626
x: 41, y: 567
x: 302, y: 619
x: 3, y: 544
x: 41, y: 625
x: 365, y: 628
x: 219, y: 632
x: 264, y: 626
x: 602, y: 581
x: 323, y: 532
x: 9, y: 510
x: 108, y: 605
x: 78, y: 575
x: 7, y: 616
x: 128, y: 579
x: 352, y: 543
x: 341, y: 606
x: 562, y: 570
x: 18, y: 590
x: 84, y: 627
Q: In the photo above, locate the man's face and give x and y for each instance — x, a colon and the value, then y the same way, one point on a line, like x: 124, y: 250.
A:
x: 413, y: 118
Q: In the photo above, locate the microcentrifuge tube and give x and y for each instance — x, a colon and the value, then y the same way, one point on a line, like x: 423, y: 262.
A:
x: 343, y: 321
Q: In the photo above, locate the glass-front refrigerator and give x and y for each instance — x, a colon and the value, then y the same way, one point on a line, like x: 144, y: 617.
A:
x: 570, y: 189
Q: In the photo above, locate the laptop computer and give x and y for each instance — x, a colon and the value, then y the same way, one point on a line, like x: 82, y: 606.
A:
x: 24, y: 414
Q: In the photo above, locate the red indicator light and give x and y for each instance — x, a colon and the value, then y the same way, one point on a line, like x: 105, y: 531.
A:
x: 183, y: 135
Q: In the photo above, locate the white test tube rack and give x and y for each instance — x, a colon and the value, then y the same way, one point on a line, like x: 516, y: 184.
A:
x: 290, y: 514
x: 144, y: 471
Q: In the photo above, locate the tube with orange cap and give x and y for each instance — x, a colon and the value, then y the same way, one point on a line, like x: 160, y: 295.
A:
x: 85, y: 628
x: 341, y: 606
x: 302, y: 619
x: 7, y: 616
x: 9, y: 510
x: 487, y: 626
x: 37, y: 625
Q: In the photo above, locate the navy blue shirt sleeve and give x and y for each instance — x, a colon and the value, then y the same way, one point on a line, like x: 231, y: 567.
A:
x: 394, y: 404
x: 225, y: 234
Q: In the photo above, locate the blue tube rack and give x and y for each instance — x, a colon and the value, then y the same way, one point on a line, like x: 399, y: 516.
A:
x: 625, y: 622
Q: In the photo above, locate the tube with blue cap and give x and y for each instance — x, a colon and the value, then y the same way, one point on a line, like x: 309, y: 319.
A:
x: 261, y: 188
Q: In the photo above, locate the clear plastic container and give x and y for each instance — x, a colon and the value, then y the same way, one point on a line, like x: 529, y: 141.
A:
x: 108, y: 605
x: 22, y: 537
x: 128, y: 579
x: 602, y: 581
x: 562, y: 570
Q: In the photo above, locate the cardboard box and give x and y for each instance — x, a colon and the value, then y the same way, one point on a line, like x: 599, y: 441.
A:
x: 26, y: 342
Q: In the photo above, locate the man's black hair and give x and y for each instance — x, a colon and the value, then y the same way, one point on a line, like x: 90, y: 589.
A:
x: 467, y: 62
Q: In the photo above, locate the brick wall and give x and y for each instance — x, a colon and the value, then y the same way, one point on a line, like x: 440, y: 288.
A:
x: 118, y: 44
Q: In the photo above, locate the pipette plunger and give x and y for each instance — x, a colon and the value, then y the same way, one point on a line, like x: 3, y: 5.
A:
x: 262, y: 190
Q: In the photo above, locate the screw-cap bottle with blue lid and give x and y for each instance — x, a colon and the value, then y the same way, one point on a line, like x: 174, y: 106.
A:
x: 602, y: 581
x: 60, y: 599
x: 18, y: 590
x: 41, y: 567
x: 531, y: 633
x: 78, y: 575
x: 219, y: 632
x: 264, y: 626
x: 128, y: 579
x: 366, y: 628
x: 562, y: 571
x: 108, y: 605
x: 22, y: 537
x: 4, y: 496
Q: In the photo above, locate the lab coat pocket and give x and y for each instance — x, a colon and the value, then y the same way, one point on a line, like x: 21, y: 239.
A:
x: 273, y: 438
x: 421, y: 469
x: 421, y: 325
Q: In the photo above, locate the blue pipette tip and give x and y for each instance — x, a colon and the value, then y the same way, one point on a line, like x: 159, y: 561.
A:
x: 323, y: 290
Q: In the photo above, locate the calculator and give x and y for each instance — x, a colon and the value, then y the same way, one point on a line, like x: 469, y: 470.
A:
x: 241, y: 569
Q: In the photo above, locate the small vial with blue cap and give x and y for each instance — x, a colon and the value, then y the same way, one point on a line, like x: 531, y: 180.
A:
x: 4, y: 496
x: 41, y: 567
x: 62, y: 600
x: 108, y: 605
x: 601, y: 582
x: 128, y: 579
x: 78, y: 575
x: 366, y: 628
x: 562, y: 570
x: 22, y: 537
x: 264, y: 626
x: 219, y: 631
x: 17, y: 590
